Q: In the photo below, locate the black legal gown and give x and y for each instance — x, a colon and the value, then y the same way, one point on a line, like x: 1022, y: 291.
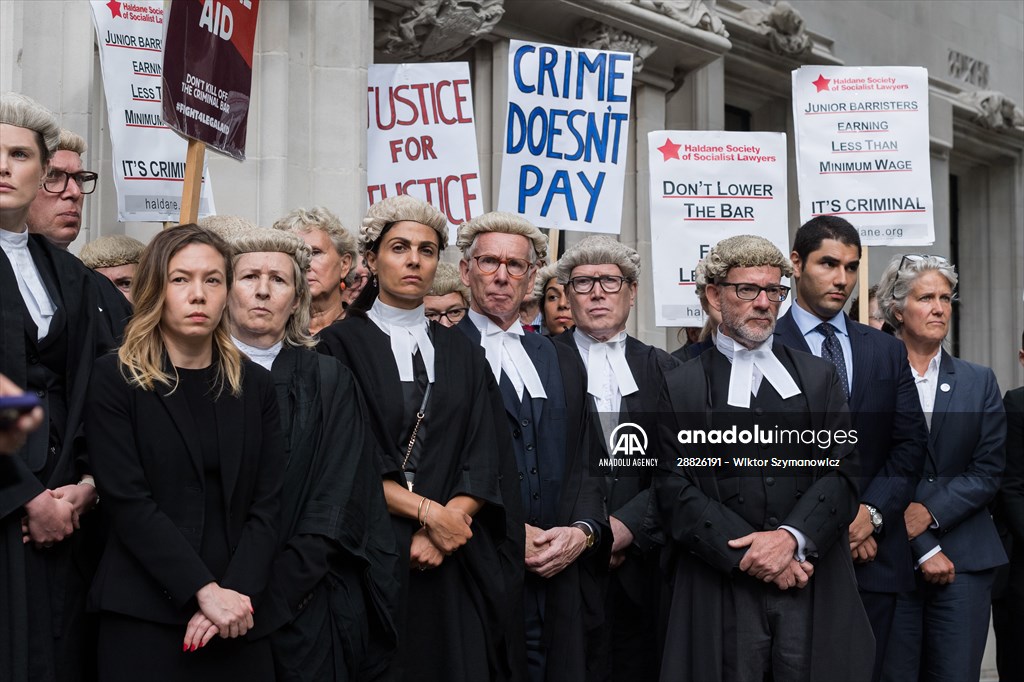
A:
x: 455, y: 622
x: 334, y: 588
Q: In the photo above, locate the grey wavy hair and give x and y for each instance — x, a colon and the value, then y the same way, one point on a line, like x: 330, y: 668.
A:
x: 396, y: 209
x: 19, y: 110
x: 71, y: 142
x: 508, y: 223
x: 599, y: 250
x: 700, y: 277
x: 303, y: 220
x: 227, y: 227
x: 264, y: 240
x: 743, y: 251
x: 447, y: 281
x: 544, y: 275
x: 111, y: 251
x: 896, y: 282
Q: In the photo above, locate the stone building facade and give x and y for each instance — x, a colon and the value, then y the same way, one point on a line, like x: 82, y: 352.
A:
x: 701, y: 65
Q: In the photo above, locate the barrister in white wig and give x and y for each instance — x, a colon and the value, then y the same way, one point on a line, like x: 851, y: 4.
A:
x: 625, y: 378
x: 555, y: 313
x: 543, y: 392
x: 448, y: 299
x: 429, y: 399
x: 762, y: 580
x: 334, y: 576
x: 115, y: 256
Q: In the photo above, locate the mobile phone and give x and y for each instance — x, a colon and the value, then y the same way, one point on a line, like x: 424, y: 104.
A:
x: 13, y: 406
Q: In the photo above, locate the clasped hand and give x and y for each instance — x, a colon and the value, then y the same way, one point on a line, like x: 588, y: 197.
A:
x: 770, y: 558
x: 549, y: 552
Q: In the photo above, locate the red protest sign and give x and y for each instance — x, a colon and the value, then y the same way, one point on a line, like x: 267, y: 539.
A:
x: 207, y: 71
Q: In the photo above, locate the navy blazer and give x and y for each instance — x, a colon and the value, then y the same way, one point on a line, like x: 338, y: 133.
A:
x: 964, y: 466
x: 892, y: 438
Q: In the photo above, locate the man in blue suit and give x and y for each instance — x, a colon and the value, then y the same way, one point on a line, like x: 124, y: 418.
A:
x: 892, y: 433
x: 546, y: 409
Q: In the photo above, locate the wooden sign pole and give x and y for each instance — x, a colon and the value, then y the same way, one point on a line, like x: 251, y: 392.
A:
x: 553, y: 235
x: 193, y: 182
x: 863, y: 284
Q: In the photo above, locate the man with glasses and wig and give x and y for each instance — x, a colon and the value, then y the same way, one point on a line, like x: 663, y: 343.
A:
x: 892, y: 434
x: 57, y: 211
x: 448, y: 299
x: 544, y: 395
x: 762, y: 579
x: 56, y: 214
x: 625, y: 378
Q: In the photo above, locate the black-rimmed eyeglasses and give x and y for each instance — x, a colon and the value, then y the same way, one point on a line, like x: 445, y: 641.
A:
x: 745, y: 291
x: 610, y: 284
x: 453, y: 315
x: 57, y: 181
x: 516, y: 267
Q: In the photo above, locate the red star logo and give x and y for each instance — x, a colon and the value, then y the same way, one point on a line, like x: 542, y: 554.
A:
x: 821, y: 83
x: 669, y: 150
x: 115, y: 8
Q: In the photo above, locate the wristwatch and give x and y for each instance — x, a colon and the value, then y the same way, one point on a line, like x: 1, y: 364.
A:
x: 875, y: 516
x: 587, y: 530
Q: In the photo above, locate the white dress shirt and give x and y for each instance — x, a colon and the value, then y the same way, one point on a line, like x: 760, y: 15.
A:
x: 30, y: 282
x: 505, y: 353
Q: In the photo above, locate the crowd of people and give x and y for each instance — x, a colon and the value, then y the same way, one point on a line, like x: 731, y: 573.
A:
x: 303, y: 453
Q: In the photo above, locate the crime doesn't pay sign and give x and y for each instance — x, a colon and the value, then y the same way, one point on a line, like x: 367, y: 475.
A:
x: 565, y: 137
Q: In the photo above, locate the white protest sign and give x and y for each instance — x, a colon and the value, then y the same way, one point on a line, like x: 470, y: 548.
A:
x: 148, y: 157
x: 564, y: 161
x: 862, y: 150
x: 421, y: 138
x: 706, y: 186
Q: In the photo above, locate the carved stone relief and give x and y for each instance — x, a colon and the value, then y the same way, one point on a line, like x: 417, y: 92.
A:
x: 438, y: 29
x: 693, y: 13
x: 597, y: 36
x: 783, y: 26
x: 995, y: 110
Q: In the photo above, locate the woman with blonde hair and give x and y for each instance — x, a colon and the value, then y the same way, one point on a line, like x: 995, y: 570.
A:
x: 329, y: 604
x: 430, y: 408
x: 189, y: 460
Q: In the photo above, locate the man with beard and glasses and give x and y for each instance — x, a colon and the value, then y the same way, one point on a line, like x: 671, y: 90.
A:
x: 762, y: 580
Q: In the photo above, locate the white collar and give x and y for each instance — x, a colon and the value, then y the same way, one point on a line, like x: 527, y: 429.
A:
x: 601, y: 357
x: 745, y: 361
x: 808, y: 322
x: 408, y: 331
x: 16, y: 239
x: 504, y: 351
x: 264, y: 357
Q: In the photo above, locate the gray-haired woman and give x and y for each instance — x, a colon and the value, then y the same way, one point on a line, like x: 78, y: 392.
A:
x: 329, y: 604
x: 940, y: 628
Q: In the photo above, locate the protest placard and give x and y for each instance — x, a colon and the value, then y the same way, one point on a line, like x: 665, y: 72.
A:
x: 148, y: 157
x: 706, y: 186
x: 421, y: 138
x: 207, y: 71
x: 862, y: 150
x: 564, y: 160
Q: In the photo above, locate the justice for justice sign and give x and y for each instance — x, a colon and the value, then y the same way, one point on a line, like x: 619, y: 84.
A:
x: 207, y: 73
x: 862, y: 150
x: 421, y: 139
x: 706, y: 186
x: 148, y: 157
x: 564, y: 160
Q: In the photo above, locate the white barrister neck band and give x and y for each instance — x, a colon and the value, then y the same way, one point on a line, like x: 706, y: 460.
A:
x: 408, y: 331
x: 505, y: 352
x: 749, y: 366
x: 606, y: 360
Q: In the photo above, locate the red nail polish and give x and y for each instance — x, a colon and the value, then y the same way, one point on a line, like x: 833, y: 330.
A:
x: 184, y: 647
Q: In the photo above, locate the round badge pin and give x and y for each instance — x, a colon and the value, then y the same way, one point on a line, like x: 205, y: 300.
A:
x: 945, y: 388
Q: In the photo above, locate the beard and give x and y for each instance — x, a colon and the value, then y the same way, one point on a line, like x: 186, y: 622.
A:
x: 744, y: 329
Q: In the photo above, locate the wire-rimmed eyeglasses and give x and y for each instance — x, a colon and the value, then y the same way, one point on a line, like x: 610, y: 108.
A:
x: 516, y: 267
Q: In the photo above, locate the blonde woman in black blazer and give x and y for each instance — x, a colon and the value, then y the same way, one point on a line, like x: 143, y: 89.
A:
x: 188, y: 463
